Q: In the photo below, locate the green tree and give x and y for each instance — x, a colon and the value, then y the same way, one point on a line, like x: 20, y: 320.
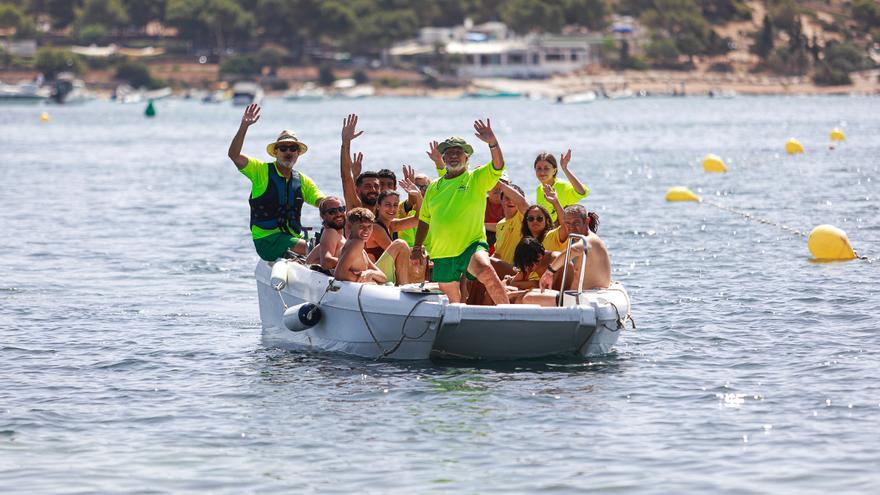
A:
x: 764, y: 39
x: 866, y: 13
x: 272, y: 56
x: 91, y: 33
x: 326, y: 77
x: 592, y: 14
x: 242, y: 65
x: 523, y: 16
x: 783, y: 13
x: 222, y: 20
x: 662, y: 52
x: 135, y: 73
x: 51, y: 61
x: 108, y: 13
x: 142, y: 12
x: 720, y: 11
x: 62, y: 12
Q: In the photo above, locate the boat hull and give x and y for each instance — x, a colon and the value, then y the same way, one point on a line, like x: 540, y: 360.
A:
x: 387, y: 322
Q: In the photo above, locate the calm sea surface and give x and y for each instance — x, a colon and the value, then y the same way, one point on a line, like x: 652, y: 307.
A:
x: 130, y: 350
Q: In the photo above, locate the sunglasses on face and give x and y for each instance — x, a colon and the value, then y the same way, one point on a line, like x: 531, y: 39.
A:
x: 423, y: 188
x: 334, y: 211
x: 534, y: 219
x: 285, y: 149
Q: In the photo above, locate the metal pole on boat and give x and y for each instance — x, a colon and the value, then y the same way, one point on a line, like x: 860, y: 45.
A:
x: 572, y: 237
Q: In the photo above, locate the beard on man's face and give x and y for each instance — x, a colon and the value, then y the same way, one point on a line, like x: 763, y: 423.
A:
x: 369, y: 199
x: 336, y: 224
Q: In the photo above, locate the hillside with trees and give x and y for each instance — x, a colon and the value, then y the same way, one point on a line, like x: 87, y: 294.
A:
x: 824, y: 40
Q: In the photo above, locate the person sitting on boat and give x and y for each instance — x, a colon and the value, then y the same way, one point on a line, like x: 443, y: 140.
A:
x: 358, y: 188
x: 326, y: 253
x: 508, y: 231
x: 569, y: 192
x: 387, y: 180
x: 598, y: 266
x: 537, y: 222
x: 453, y: 208
x: 555, y: 239
x: 531, y: 261
x: 390, y: 253
x: 277, y: 191
x: 354, y: 265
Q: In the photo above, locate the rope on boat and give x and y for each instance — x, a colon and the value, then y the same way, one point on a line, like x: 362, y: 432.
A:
x: 403, y: 336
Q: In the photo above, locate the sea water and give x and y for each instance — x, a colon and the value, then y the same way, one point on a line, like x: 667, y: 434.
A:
x: 130, y: 347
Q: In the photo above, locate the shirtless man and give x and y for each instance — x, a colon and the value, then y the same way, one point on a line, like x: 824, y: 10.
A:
x: 598, y: 268
x: 359, y: 188
x: 354, y: 265
x: 326, y: 253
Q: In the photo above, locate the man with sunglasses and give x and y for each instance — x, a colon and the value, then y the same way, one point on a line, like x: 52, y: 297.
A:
x: 326, y: 253
x: 453, y: 210
x: 277, y: 191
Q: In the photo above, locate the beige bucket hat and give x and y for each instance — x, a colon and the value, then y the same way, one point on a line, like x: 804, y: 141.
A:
x: 286, y: 137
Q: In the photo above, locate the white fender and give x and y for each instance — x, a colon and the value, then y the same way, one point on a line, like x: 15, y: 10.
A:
x: 278, y: 280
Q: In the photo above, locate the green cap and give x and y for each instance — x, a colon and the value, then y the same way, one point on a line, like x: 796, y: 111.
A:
x: 453, y: 142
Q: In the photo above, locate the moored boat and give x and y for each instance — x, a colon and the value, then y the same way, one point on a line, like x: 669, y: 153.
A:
x: 245, y: 93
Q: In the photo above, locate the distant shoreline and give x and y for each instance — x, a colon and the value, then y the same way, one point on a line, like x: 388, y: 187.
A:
x: 409, y: 83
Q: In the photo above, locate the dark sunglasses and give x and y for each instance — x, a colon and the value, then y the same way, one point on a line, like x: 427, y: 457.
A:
x: 534, y: 219
x: 423, y: 188
x: 334, y: 211
x: 284, y: 149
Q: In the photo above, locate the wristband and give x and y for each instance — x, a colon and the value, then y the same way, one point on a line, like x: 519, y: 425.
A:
x: 550, y: 269
x: 494, y: 145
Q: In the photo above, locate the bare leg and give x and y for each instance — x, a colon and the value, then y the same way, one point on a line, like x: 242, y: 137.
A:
x: 300, y: 247
x: 481, y: 267
x: 452, y: 291
x: 399, y: 251
x: 546, y: 298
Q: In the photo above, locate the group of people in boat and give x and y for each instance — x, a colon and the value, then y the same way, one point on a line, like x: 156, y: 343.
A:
x: 470, y: 231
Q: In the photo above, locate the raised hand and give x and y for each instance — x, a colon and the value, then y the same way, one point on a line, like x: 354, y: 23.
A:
x: 563, y: 160
x: 485, y: 132
x: 408, y: 173
x: 550, y: 193
x: 251, y: 115
x: 349, y: 128
x: 409, y: 186
x: 434, y: 152
x: 357, y: 164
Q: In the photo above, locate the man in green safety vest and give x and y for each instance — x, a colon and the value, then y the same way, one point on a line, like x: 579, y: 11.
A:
x: 277, y: 191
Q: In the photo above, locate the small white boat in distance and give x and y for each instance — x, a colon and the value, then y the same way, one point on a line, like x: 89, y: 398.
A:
x: 308, y: 92
x: 578, y: 98
x: 245, y: 93
x: 304, y: 309
x: 24, y: 93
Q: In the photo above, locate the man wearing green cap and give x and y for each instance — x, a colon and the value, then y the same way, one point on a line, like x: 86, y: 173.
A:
x: 277, y: 191
x: 453, y: 210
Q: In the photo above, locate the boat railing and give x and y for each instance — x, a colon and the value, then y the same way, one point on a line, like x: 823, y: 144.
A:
x: 571, y: 241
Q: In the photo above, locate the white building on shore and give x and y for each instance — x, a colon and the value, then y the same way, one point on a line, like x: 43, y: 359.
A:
x: 490, y: 50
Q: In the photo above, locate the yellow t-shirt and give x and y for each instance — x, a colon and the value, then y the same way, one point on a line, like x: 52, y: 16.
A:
x: 258, y: 173
x: 408, y: 235
x: 454, y: 209
x: 508, y: 233
x: 553, y: 243
x: 566, y: 194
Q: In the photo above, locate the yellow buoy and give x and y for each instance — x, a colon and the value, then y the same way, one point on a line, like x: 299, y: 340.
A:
x: 837, y: 135
x: 44, y: 117
x: 713, y: 163
x: 681, y: 193
x: 793, y: 146
x: 827, y: 242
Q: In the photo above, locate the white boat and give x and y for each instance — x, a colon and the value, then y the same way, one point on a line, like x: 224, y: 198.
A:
x: 308, y: 92
x: 245, y: 93
x: 26, y: 93
x: 304, y: 309
x: 578, y: 98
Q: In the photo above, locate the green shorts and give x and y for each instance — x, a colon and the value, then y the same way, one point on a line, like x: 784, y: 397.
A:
x: 275, y: 246
x: 451, y: 269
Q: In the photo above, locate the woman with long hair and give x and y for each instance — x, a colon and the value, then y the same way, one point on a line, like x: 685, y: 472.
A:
x: 537, y: 222
x: 569, y: 192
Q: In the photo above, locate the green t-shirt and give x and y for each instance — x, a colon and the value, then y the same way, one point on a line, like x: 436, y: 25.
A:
x: 258, y: 173
x: 566, y: 194
x: 454, y: 209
